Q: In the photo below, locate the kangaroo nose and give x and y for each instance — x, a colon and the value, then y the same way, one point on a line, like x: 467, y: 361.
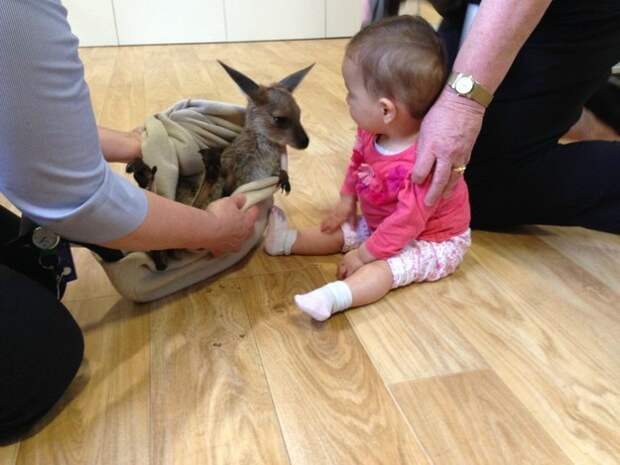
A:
x: 303, y: 143
x: 301, y: 139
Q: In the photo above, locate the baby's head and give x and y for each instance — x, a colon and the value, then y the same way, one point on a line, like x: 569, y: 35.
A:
x: 399, y: 60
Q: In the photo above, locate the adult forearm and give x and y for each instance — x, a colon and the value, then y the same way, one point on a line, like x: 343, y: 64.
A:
x: 119, y: 147
x: 498, y: 32
x: 169, y: 225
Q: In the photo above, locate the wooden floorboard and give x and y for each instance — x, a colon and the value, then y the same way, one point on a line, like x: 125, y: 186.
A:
x: 8, y: 454
x: 556, y: 366
x: 210, y: 399
x: 594, y: 251
x: 332, y: 404
x: 408, y: 336
x: 563, y: 294
x: 473, y: 418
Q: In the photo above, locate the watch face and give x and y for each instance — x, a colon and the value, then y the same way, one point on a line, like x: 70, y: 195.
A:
x: 464, y: 85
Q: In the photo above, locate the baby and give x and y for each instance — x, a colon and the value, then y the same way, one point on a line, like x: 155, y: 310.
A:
x: 393, y: 71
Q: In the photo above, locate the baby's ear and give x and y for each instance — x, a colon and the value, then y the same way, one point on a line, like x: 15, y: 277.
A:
x: 388, y: 109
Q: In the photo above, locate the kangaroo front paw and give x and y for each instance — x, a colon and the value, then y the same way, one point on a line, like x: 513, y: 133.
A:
x: 283, y: 182
x: 142, y: 173
x: 160, y: 258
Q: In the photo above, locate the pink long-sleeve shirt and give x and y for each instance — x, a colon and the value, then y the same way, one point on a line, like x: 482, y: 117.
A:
x: 393, y: 205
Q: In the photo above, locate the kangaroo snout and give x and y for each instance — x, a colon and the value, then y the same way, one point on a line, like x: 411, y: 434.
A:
x: 301, y: 139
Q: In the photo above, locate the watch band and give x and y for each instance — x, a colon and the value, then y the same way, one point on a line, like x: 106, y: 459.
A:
x: 477, y: 92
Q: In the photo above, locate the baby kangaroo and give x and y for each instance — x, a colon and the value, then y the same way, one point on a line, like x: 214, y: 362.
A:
x: 272, y: 122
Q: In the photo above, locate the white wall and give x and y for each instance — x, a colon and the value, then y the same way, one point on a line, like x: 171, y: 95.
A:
x: 342, y: 17
x: 169, y: 21
x: 129, y: 22
x: 275, y: 19
x: 92, y: 21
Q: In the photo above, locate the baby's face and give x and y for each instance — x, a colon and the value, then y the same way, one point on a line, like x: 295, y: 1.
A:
x: 363, y: 107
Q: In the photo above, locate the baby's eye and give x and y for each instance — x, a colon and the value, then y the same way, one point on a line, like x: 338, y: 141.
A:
x: 281, y: 121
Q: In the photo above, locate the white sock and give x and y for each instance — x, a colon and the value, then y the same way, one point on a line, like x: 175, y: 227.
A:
x: 279, y: 239
x: 323, y: 302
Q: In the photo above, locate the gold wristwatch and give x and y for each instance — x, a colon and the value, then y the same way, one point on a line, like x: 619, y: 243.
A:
x: 466, y: 86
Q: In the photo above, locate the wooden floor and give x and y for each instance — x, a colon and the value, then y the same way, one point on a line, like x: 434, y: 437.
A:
x: 515, y: 359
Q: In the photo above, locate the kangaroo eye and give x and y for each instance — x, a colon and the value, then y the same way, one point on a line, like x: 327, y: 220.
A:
x: 281, y: 121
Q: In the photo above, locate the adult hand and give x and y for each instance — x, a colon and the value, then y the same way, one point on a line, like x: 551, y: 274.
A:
x: 119, y: 146
x: 232, y: 225
x: 344, y: 211
x: 350, y: 263
x: 447, y: 136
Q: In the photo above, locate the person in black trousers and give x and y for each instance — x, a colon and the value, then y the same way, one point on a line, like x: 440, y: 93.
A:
x: 518, y: 173
x: 543, y: 61
x: 40, y: 342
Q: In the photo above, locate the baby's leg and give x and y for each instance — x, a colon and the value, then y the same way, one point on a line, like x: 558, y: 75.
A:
x: 368, y: 284
x: 419, y: 261
x: 312, y: 241
x: 281, y: 240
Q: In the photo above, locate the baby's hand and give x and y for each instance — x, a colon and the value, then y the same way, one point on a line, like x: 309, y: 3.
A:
x: 344, y: 211
x: 350, y: 264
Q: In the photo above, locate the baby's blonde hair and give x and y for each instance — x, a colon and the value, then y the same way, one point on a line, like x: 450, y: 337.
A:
x: 401, y: 58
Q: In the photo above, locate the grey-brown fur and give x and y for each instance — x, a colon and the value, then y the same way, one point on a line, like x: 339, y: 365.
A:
x: 272, y: 122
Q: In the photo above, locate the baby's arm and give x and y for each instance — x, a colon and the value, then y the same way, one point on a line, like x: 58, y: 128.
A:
x: 405, y: 224
x: 344, y: 211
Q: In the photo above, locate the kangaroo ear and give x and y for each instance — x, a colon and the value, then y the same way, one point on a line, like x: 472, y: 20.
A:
x: 291, y: 82
x: 249, y: 87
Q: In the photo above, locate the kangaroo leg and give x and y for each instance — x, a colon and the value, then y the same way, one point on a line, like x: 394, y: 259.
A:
x: 229, y: 184
x: 160, y: 258
x: 211, y: 157
x: 283, y: 181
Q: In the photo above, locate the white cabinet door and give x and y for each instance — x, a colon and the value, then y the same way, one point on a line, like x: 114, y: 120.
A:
x: 344, y: 17
x: 92, y: 21
x: 169, y: 21
x: 275, y: 19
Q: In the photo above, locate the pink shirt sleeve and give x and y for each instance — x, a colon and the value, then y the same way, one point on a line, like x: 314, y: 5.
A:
x: 350, y: 179
x: 405, y: 224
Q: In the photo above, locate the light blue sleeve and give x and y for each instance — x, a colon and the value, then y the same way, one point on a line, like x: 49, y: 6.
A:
x: 51, y: 164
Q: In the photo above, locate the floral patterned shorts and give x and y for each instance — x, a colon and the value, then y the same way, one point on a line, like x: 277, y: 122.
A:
x: 420, y: 260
